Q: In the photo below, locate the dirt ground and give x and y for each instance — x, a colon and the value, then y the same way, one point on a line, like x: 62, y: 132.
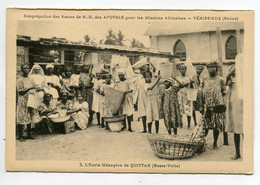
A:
x: 97, y: 144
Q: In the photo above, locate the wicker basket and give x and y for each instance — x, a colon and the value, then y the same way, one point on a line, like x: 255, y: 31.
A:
x: 115, y: 123
x: 201, y: 147
x: 173, y: 148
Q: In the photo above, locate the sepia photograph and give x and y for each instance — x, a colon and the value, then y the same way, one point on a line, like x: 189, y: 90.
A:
x: 133, y: 91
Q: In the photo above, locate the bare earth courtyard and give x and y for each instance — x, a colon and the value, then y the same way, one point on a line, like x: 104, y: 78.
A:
x: 96, y: 144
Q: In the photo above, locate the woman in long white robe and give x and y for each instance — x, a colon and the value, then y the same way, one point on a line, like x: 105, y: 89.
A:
x: 35, y: 98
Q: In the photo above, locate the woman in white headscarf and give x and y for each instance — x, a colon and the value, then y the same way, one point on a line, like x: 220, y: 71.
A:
x: 35, y: 98
x: 53, y: 83
x: 37, y: 75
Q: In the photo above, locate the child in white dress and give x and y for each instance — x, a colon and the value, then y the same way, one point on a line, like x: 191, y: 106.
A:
x: 82, y: 115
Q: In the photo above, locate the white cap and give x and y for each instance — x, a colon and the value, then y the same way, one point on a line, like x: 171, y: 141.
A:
x: 49, y: 66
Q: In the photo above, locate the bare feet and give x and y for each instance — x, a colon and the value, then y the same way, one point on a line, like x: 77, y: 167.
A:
x: 21, y: 139
x: 30, y: 137
x: 235, y: 157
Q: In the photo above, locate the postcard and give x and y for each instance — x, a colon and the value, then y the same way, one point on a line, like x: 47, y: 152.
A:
x: 130, y: 91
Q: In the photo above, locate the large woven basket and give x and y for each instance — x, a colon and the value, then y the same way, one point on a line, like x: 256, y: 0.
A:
x: 173, y: 148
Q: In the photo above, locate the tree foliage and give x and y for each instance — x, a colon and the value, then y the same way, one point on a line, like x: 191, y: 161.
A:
x: 137, y: 44
x: 87, y: 38
x: 117, y: 39
x: 114, y: 39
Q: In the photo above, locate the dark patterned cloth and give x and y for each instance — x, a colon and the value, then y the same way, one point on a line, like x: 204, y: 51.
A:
x: 213, y: 90
x: 22, y: 113
x: 85, y: 83
x: 87, y: 94
x: 172, y: 115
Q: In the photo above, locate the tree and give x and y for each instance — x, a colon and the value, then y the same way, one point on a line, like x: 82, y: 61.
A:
x: 120, y: 38
x: 137, y: 44
x: 111, y: 38
x: 115, y: 39
x: 87, y: 38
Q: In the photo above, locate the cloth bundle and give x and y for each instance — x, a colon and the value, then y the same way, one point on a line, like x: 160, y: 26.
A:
x: 114, y: 99
x: 121, y: 62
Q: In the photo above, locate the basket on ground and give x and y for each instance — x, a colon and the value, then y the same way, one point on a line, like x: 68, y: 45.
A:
x: 115, y: 123
x: 173, y: 148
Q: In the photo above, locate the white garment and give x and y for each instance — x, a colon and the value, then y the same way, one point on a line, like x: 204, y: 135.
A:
x: 37, y: 79
x: 152, y: 104
x: 81, y: 117
x: 142, y: 98
x: 75, y: 79
x: 106, y: 111
x: 35, y: 97
x: 137, y: 81
x: 56, y: 81
x: 96, y: 96
x: 127, y: 104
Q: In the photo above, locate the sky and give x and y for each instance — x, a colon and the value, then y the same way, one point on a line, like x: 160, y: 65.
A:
x: 76, y: 31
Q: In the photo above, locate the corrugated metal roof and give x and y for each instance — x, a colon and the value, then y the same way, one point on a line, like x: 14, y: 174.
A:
x: 175, y: 28
x: 56, y: 42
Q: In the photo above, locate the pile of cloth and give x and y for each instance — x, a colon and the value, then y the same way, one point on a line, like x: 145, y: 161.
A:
x: 121, y: 62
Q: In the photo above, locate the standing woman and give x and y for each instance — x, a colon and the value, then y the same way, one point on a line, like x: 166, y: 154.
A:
x: 75, y: 78
x: 198, y: 104
x: 234, y: 111
x: 184, y: 83
x: 67, y: 84
x: 214, y: 91
x: 53, y: 83
x: 127, y: 107
x: 141, y: 101
x: 23, y: 86
x: 85, y: 84
x: 35, y: 98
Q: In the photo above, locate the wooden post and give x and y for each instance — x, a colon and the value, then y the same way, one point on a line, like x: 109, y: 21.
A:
x: 26, y: 55
x: 62, y: 56
x: 220, y: 62
x: 238, y: 41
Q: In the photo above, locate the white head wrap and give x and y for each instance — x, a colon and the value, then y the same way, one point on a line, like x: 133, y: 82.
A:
x: 49, y: 66
x: 36, y: 66
x: 140, y: 63
x: 121, y: 71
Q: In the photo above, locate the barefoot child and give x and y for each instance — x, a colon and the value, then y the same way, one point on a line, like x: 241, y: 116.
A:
x: 171, y: 111
x: 106, y: 107
x: 96, y: 96
x: 152, y: 104
x: 127, y: 108
x: 81, y: 116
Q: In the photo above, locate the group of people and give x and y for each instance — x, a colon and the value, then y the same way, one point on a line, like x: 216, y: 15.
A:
x: 40, y: 95
x: 83, y: 93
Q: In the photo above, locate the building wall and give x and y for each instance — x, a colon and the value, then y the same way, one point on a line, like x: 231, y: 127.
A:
x: 200, y: 47
x: 22, y: 58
